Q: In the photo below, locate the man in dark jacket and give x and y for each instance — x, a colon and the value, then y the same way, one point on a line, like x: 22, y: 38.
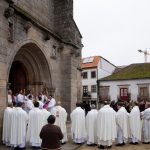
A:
x: 51, y: 135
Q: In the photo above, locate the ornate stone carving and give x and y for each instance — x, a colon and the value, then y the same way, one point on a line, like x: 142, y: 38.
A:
x: 61, y: 47
x: 10, y: 1
x: 47, y: 37
x: 77, y: 54
x: 9, y: 12
x: 11, y: 31
x: 72, y: 51
x: 27, y: 26
x: 54, y: 52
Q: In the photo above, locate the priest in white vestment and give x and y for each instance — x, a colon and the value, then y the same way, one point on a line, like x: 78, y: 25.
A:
x: 10, y: 100
x: 19, y: 119
x: 40, y: 102
x: 78, y: 130
x: 122, y: 120
x: 146, y: 124
x: 46, y: 114
x: 51, y: 104
x: 29, y: 104
x: 61, y: 118
x: 20, y: 97
x: 34, y: 126
x: 106, y: 126
x: 91, y: 126
x: 135, y: 124
x: 7, y: 125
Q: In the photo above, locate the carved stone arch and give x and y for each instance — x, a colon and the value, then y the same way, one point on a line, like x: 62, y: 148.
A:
x: 37, y: 65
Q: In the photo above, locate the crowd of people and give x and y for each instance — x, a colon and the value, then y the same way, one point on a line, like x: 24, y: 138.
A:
x: 25, y: 123
x: 117, y: 123
x: 25, y: 119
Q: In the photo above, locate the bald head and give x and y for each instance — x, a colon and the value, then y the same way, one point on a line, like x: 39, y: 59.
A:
x: 93, y: 106
x: 58, y: 102
x: 10, y: 105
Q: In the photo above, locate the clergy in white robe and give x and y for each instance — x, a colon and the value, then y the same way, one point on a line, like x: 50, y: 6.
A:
x: 10, y: 100
x: 61, y: 117
x: 122, y: 119
x: 29, y: 104
x: 19, y: 119
x: 35, y: 125
x: 146, y: 124
x: 42, y: 96
x: 46, y: 114
x: 20, y: 97
x: 40, y: 102
x: 91, y: 126
x: 78, y: 130
x: 106, y: 126
x: 51, y: 104
x: 135, y: 124
x: 7, y: 124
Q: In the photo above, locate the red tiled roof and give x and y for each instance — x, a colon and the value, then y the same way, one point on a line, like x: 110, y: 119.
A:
x: 90, y: 64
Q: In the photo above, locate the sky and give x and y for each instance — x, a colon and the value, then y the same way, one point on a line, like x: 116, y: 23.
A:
x: 114, y: 29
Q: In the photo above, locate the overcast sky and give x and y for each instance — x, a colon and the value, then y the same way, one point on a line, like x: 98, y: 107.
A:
x: 114, y: 29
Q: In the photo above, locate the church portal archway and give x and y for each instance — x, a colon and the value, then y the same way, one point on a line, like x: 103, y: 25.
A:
x: 18, y: 77
x: 30, y: 70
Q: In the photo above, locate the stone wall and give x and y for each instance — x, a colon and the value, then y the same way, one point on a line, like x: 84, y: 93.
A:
x: 41, y: 10
x: 34, y: 29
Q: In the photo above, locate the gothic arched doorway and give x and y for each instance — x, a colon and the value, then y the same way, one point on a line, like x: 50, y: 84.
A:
x: 18, y: 77
x: 30, y: 70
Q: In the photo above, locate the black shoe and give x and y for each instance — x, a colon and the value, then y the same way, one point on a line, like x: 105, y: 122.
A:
x: 89, y: 144
x: 63, y: 143
x: 136, y: 143
x: 23, y: 148
x: 109, y: 146
x: 119, y: 144
x: 79, y: 143
x: 132, y: 143
x: 37, y: 147
x: 101, y: 147
x: 146, y: 142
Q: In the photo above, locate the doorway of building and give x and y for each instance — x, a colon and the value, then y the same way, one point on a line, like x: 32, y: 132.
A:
x: 29, y: 70
x: 18, y: 77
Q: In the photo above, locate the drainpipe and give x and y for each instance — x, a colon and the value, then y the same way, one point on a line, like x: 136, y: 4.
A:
x: 97, y: 90
x: 98, y: 93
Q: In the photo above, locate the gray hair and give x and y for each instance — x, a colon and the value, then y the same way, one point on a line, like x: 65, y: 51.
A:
x: 93, y: 106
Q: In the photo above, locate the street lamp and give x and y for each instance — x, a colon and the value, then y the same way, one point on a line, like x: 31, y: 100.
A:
x: 145, y: 54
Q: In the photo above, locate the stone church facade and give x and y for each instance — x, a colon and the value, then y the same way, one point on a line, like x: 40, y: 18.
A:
x: 40, y: 49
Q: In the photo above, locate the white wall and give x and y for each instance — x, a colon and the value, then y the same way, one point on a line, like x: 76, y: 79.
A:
x: 105, y: 68
x: 132, y: 86
x: 90, y: 81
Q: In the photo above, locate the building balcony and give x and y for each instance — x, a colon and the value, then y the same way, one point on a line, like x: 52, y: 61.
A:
x: 144, y: 98
x: 86, y: 95
x: 104, y: 98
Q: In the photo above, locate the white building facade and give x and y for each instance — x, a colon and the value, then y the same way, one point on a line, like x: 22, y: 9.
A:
x: 94, y: 68
x: 131, y: 83
x: 132, y: 89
